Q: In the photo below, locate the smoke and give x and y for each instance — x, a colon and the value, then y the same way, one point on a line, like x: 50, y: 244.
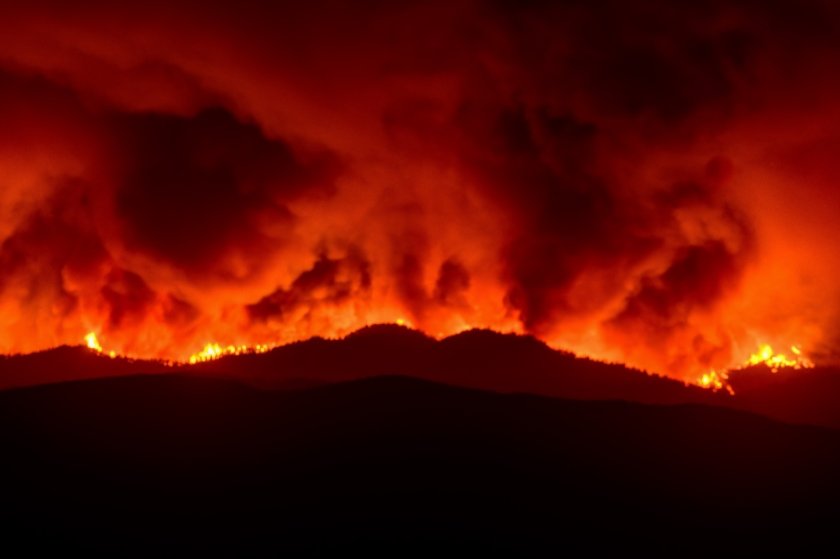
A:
x: 654, y: 183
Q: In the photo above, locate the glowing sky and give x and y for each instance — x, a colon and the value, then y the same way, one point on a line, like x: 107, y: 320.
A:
x: 651, y: 182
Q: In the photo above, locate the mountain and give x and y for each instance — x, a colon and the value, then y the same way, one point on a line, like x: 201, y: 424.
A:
x: 807, y: 396
x: 478, y: 359
x: 399, y: 465
x: 68, y: 363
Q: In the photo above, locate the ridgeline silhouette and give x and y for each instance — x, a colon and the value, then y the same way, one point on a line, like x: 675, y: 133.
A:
x: 479, y: 359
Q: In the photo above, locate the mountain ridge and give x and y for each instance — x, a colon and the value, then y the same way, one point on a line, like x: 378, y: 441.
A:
x: 480, y: 359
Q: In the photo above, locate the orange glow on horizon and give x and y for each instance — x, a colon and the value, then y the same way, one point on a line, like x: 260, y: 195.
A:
x: 181, y: 208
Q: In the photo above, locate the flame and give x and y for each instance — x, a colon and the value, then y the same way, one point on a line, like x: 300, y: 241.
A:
x: 210, y: 352
x: 776, y: 361
x: 432, y: 204
x: 715, y: 380
x: 92, y: 343
x: 213, y: 351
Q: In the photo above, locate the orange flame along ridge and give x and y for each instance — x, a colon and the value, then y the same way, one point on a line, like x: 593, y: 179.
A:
x: 210, y: 351
x: 718, y: 380
x: 713, y: 380
x: 215, y: 351
x: 92, y: 342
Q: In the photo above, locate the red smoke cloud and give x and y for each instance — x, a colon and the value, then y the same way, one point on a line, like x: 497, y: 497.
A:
x: 654, y: 183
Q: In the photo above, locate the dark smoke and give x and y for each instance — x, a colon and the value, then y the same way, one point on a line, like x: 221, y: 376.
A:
x: 622, y: 179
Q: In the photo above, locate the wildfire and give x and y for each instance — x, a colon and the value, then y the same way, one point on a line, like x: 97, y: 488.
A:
x: 92, y: 343
x: 215, y: 351
x: 715, y: 380
x: 776, y: 361
x: 211, y: 351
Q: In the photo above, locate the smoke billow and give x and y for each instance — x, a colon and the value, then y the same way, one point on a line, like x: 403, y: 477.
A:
x: 652, y: 182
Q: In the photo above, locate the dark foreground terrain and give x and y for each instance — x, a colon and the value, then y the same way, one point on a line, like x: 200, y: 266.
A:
x: 175, y: 463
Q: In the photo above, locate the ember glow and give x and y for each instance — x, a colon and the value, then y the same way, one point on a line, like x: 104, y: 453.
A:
x: 645, y: 182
